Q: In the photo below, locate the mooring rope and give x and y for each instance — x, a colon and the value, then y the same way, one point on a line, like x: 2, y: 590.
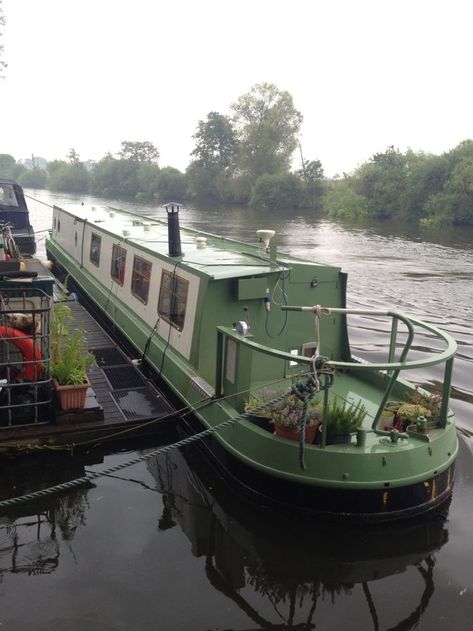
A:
x: 65, y: 486
x: 304, y: 390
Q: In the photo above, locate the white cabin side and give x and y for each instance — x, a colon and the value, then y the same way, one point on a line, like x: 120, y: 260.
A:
x: 76, y: 237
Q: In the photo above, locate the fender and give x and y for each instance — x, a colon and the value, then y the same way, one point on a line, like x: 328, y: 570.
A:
x: 29, y: 350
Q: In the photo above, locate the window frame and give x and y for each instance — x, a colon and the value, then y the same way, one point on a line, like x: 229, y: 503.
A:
x: 173, y: 293
x: 95, y: 236
x: 136, y: 258
x: 122, y: 253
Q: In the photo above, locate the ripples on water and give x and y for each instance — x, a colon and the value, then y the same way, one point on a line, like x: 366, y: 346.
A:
x: 169, y: 546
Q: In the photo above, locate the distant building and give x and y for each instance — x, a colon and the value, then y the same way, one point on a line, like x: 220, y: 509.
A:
x: 34, y: 162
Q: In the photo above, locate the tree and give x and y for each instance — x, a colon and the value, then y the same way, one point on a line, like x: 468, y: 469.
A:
x: 171, y: 185
x: 312, y: 175
x: 341, y: 201
x: 116, y: 178
x: 267, y: 125
x: 8, y: 166
x: 215, y: 141
x: 426, y: 177
x: 70, y: 177
x: 148, y: 181
x: 382, y: 181
x: 277, y: 191
x: 139, y: 152
x: 73, y: 157
x: 33, y: 178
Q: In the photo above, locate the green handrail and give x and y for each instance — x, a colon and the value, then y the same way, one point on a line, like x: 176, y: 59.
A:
x: 393, y: 368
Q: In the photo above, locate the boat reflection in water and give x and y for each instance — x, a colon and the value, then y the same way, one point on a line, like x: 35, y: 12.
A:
x: 31, y: 534
x: 280, y: 572
x: 258, y: 558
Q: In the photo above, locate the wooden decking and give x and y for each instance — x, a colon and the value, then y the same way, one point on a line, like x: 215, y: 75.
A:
x: 120, y: 403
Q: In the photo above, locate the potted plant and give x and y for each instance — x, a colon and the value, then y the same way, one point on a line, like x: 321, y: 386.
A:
x: 343, y: 419
x: 286, y: 414
x: 70, y: 359
x: 416, y: 406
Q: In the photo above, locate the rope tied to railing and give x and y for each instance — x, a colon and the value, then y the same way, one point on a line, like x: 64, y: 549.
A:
x: 305, y: 391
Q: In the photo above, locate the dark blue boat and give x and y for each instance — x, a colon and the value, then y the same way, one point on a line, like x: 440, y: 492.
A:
x: 14, y: 211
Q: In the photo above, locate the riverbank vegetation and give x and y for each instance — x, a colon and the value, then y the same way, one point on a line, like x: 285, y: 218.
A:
x: 246, y: 157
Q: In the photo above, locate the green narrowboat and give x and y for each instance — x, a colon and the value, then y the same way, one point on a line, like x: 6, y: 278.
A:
x: 242, y: 331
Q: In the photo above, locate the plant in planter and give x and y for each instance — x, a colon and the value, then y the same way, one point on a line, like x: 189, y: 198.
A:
x: 70, y: 359
x: 343, y: 419
x: 417, y: 405
x: 286, y: 414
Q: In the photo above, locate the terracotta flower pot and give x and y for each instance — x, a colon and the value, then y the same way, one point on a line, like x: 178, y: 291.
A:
x: 71, y: 397
x: 292, y: 433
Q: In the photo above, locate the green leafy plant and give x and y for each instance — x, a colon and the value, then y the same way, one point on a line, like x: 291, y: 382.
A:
x: 70, y: 358
x: 344, y: 418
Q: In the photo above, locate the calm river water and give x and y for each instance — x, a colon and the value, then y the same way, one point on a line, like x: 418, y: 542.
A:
x: 165, y: 545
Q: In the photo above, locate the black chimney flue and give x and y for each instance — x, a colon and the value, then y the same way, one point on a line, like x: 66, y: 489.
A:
x: 174, y: 233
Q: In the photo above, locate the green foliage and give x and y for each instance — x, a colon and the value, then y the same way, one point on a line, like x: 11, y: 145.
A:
x: 382, y: 181
x: 72, y: 177
x: 116, y: 178
x: 171, y: 185
x: 312, y: 176
x: 141, y: 152
x: 9, y: 167
x: 426, y: 177
x: 33, y: 178
x: 70, y: 358
x: 238, y: 189
x: 277, y: 191
x: 267, y: 125
x: 344, y: 418
x: 342, y: 202
x: 215, y: 142
x: 147, y: 176
x: 202, y: 181
x: 432, y: 190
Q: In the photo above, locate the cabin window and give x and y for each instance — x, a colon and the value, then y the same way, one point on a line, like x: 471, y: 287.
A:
x: 75, y: 238
x: 118, y: 264
x: 140, y: 278
x: 7, y: 195
x: 173, y: 299
x: 95, y: 243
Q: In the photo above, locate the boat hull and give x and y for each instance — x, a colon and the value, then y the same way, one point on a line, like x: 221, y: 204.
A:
x: 382, y: 504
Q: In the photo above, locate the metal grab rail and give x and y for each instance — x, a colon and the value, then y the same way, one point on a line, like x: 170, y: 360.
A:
x: 393, y: 368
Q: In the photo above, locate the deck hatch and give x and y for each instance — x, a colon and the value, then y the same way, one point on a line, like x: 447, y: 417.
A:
x: 110, y: 356
x: 120, y: 377
x: 140, y: 404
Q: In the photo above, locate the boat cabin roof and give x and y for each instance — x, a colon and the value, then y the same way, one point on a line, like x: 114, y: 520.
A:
x: 208, y: 254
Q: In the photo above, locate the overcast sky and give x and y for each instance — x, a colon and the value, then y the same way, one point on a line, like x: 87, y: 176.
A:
x: 365, y: 74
